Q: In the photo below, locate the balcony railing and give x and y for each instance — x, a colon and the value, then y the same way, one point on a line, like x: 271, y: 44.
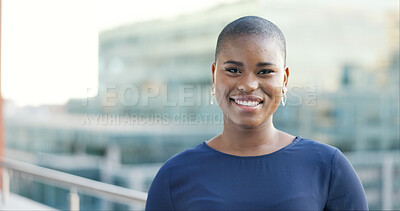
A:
x: 74, y: 184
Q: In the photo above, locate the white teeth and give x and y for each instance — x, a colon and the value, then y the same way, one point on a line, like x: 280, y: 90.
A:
x: 247, y: 103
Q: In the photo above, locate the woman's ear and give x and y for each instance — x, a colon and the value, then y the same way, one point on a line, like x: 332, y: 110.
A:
x: 286, y: 76
x: 213, y: 71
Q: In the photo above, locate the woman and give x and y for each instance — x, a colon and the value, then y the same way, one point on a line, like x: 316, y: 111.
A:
x: 252, y: 165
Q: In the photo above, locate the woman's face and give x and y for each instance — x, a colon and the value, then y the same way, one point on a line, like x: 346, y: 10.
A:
x: 248, y: 75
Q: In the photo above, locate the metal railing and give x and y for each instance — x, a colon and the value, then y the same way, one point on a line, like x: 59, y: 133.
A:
x: 71, y: 182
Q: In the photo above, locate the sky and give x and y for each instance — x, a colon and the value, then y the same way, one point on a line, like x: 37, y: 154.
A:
x: 50, y: 47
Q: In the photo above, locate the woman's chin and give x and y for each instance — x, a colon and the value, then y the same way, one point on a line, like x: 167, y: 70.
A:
x: 249, y: 124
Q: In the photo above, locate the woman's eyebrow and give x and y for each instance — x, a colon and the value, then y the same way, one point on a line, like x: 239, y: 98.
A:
x: 262, y: 64
x: 233, y: 62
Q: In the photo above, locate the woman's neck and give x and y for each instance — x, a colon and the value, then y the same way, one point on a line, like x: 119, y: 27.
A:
x: 241, y: 141
x: 249, y: 138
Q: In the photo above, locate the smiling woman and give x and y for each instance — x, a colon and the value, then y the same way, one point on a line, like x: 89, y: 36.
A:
x: 252, y: 165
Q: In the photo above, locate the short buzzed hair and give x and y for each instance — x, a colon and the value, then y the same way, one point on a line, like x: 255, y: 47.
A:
x: 251, y: 25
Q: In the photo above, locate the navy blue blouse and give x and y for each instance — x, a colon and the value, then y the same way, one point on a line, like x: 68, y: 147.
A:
x: 305, y: 175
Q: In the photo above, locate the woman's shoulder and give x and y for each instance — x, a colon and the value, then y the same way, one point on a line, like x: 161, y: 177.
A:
x: 314, y: 144
x: 191, y: 155
x: 306, y: 145
x: 312, y: 148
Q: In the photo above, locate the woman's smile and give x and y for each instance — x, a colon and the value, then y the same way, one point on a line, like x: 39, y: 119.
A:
x: 247, y: 103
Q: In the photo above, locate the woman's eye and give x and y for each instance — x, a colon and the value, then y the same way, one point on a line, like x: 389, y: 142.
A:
x: 266, y: 71
x: 232, y: 70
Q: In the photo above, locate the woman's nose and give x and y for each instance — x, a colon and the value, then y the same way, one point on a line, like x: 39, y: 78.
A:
x: 248, y: 83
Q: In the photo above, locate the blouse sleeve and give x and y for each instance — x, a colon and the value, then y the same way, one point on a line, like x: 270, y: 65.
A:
x: 345, y: 189
x: 159, y: 196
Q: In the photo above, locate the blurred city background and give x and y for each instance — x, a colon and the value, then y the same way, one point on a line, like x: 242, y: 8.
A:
x: 147, y: 95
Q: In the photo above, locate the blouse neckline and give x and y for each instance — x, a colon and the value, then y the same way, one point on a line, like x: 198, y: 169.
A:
x: 295, y: 140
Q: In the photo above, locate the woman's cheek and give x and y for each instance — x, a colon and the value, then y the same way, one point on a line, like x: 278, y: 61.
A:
x: 219, y: 94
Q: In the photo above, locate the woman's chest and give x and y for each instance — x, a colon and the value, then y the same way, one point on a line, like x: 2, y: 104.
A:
x: 256, y: 189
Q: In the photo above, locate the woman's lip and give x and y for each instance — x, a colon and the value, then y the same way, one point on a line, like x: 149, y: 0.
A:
x: 246, y: 108
x: 246, y: 98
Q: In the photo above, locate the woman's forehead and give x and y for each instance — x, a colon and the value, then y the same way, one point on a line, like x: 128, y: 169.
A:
x: 251, y: 46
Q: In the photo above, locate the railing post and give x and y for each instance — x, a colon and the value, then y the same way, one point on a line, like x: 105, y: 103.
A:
x: 73, y: 200
x: 387, y: 180
x: 5, y: 189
